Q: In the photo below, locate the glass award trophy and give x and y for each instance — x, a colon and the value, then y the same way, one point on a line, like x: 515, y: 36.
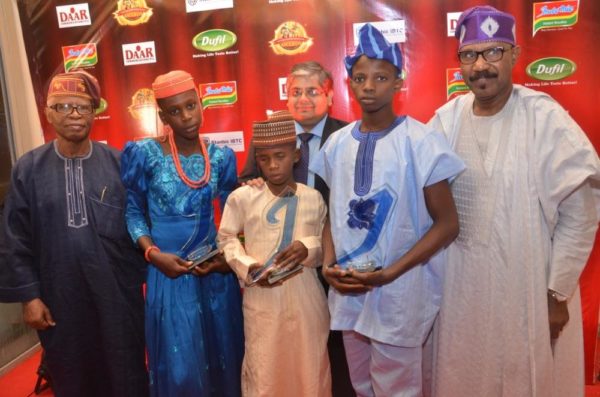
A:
x: 280, y: 218
x: 201, y: 254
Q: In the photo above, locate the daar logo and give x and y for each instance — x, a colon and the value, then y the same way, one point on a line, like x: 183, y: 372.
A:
x: 452, y: 21
x: 139, y: 53
x: 73, y: 15
x: 214, y: 40
x: 132, y: 12
x: 218, y: 94
x: 290, y: 39
x: 549, y: 69
x: 79, y: 56
x: 455, y: 84
x: 554, y: 14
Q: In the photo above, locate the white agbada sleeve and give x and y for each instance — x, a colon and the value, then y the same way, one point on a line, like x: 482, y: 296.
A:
x: 565, y: 164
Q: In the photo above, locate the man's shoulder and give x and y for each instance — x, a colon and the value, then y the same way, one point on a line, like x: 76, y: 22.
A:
x: 530, y: 97
x: 455, y: 103
x: 336, y: 122
x: 33, y: 156
x: 332, y: 125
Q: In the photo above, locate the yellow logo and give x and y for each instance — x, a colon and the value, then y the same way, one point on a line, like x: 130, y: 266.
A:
x: 132, y: 12
x: 290, y: 39
x: 143, y: 110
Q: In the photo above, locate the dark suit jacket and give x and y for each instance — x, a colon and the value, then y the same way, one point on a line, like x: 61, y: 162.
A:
x: 251, y: 171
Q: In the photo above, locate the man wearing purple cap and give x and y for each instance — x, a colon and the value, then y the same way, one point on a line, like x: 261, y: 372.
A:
x: 391, y: 214
x: 510, y: 321
x: 70, y: 260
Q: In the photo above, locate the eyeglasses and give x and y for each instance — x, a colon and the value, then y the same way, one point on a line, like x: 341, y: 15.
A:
x: 311, y: 92
x: 67, y: 108
x: 493, y: 54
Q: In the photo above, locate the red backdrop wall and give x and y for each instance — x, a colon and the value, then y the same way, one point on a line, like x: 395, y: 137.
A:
x: 572, y: 33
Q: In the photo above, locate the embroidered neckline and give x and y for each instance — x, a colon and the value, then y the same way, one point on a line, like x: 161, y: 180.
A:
x: 84, y: 157
x: 356, y: 133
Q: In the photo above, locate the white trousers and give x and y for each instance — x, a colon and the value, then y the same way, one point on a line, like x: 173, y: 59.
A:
x: 382, y: 370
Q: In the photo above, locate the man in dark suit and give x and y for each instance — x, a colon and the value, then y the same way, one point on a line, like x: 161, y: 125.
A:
x: 310, y: 95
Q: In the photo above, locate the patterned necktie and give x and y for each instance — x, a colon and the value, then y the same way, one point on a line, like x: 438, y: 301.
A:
x: 301, y: 168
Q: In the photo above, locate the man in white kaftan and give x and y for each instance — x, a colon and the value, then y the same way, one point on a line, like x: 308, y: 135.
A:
x: 527, y: 225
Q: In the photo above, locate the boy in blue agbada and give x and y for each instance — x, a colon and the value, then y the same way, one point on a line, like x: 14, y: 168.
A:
x: 392, y: 213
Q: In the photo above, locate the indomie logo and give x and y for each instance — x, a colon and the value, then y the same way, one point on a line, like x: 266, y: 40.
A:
x: 455, y: 84
x: 214, y: 40
x: 218, y: 94
x: 554, y: 14
x: 290, y: 39
x: 73, y: 15
x: 139, y: 53
x: 79, y: 56
x: 549, y: 69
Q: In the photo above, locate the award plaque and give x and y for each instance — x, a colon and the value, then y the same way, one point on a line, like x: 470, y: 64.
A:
x: 279, y: 215
x: 201, y: 255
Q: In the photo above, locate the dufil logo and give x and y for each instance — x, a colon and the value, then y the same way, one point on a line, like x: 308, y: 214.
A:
x: 73, y: 15
x: 214, y: 40
x: 139, y: 53
x: 551, y: 69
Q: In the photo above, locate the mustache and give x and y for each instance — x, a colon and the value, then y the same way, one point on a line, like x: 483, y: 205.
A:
x: 483, y: 74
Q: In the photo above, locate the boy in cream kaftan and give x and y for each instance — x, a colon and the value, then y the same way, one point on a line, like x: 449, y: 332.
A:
x: 286, y: 325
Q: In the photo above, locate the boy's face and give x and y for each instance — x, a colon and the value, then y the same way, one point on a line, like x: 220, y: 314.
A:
x: 183, y: 113
x: 374, y: 83
x: 277, y: 163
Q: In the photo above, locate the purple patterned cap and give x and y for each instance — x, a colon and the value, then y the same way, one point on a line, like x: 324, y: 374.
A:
x: 481, y: 24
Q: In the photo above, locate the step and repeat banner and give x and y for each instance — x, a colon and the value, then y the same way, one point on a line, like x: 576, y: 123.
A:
x: 240, y: 51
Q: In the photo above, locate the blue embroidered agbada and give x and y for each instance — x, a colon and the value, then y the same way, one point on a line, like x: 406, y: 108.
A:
x: 194, y: 325
x: 67, y: 244
x: 377, y: 213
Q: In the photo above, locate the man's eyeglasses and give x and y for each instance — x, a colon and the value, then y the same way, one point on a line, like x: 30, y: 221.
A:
x: 309, y: 92
x: 493, y: 54
x: 67, y: 108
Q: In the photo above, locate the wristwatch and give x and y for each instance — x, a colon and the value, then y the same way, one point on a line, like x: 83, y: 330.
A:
x: 556, y: 296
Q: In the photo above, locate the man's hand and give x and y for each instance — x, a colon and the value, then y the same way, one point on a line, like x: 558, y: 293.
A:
x: 215, y: 264
x: 256, y: 182
x: 291, y: 256
x: 37, y: 315
x: 171, y: 265
x: 342, y: 281
x: 558, y: 316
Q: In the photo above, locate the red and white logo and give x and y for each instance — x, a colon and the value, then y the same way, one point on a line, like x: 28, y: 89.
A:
x: 139, y: 53
x: 73, y: 15
x: 452, y: 20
